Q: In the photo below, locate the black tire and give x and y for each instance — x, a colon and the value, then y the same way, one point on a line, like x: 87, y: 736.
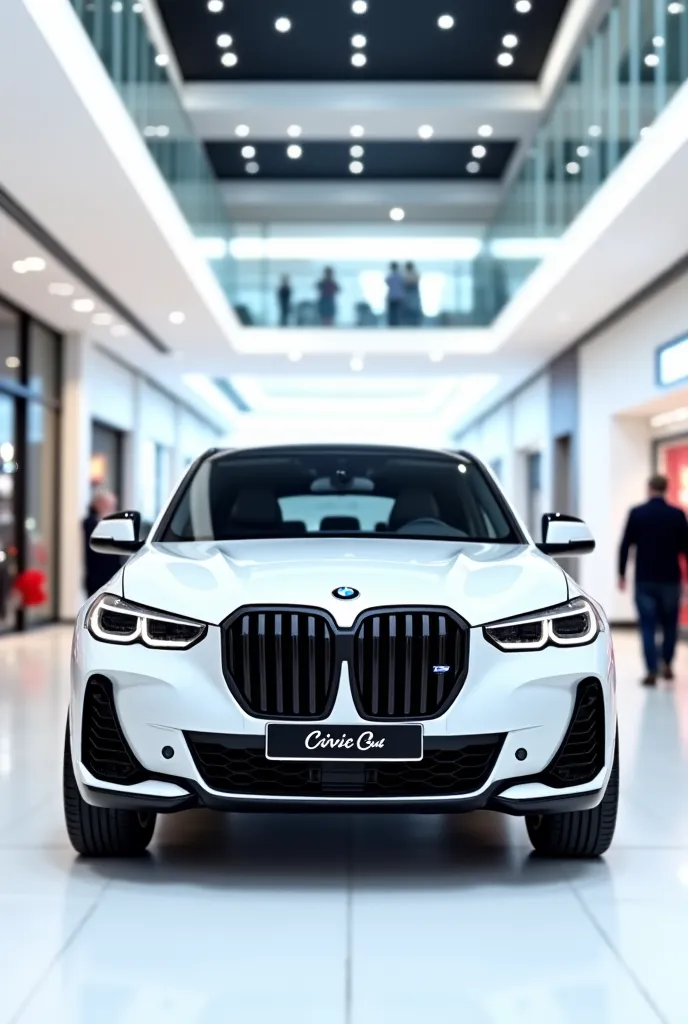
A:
x: 578, y: 833
x: 100, y: 831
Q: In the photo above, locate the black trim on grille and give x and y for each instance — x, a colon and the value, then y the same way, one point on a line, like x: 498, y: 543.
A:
x: 580, y: 757
x: 104, y: 749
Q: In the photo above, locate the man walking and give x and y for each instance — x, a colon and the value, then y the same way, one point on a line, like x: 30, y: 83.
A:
x: 659, y: 533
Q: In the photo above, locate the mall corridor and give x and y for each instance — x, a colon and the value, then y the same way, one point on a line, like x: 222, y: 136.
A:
x: 350, y: 918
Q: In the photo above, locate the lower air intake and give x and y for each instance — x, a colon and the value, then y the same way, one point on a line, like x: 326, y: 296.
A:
x: 104, y: 749
x: 581, y: 756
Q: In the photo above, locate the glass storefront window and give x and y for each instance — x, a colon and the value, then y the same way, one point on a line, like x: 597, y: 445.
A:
x: 10, y: 356
x: 40, y: 482
x: 43, y: 361
x: 8, y: 525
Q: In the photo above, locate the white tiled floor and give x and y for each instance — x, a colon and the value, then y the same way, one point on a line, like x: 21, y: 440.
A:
x: 327, y: 920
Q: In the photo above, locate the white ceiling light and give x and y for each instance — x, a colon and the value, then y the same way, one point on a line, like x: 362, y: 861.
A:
x: 248, y: 152
x: 426, y: 131
x: 283, y: 24
x: 294, y: 152
x: 252, y: 167
x: 83, y: 305
x: 523, y: 6
x: 595, y: 130
x: 358, y: 59
x: 19, y: 266
x: 583, y: 151
x: 34, y: 264
x: 294, y: 130
x: 505, y: 59
x: 12, y: 362
x: 357, y: 152
x: 162, y: 60
x: 473, y: 167
x: 436, y: 356
x: 358, y: 41
x: 573, y: 167
x: 295, y: 356
x: 117, y: 6
x: 359, y: 6
x: 658, y: 42
x: 357, y: 130
x: 177, y: 317
x: 242, y: 130
x: 396, y: 213
x: 61, y: 289
x: 485, y: 131
x: 216, y: 6
x: 162, y: 131
x: 356, y: 167
x: 676, y: 8
x: 230, y: 60
x: 119, y: 330
x: 137, y: 8
x: 356, y: 364
x: 652, y: 60
x: 445, y: 21
x: 103, y: 319
x: 224, y: 40
x: 479, y: 152
x: 510, y: 41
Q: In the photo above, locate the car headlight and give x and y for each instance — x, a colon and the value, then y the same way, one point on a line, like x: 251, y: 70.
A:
x: 568, y: 625
x: 117, y: 621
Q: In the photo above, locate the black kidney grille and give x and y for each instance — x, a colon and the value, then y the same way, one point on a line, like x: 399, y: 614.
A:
x: 581, y: 756
x: 406, y: 663
x: 104, y: 749
x: 281, y: 662
x: 440, y: 773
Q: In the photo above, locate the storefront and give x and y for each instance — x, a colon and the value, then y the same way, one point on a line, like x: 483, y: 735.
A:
x: 29, y: 477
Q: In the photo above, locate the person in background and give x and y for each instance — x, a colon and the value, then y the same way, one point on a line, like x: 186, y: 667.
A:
x: 327, y: 293
x: 659, y: 533
x: 396, y: 295
x: 98, y: 569
x: 284, y: 301
x: 412, y: 307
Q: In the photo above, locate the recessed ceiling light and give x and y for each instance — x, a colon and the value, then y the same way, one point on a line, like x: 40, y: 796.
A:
x: 137, y: 8
x: 242, y: 130
x: 658, y: 41
x: 294, y: 152
x: 595, y: 130
x: 676, y: 8
x: 295, y: 356
x: 485, y: 131
x: 224, y: 40
x: 19, y: 266
x: 479, y: 152
x: 83, y: 305
x: 523, y: 6
x: 426, y: 131
x: 103, y: 319
x: 177, y: 317
x: 436, y: 356
x: 216, y: 6
x: 58, y: 288
x: 294, y: 130
x: 162, y: 60
x: 283, y: 24
x: 510, y: 41
x: 230, y: 60
x: 356, y: 364
x: 119, y: 330
x: 12, y: 362
x: 473, y: 167
x: 445, y: 21
x: 358, y: 41
x: 117, y: 6
x: 652, y: 60
x: 396, y: 213
x: 359, y: 6
x: 573, y: 167
x: 248, y: 152
x: 356, y: 167
x: 583, y: 151
x: 358, y: 59
x: 505, y: 59
x: 252, y: 167
x: 357, y: 152
x: 357, y: 130
x: 162, y: 131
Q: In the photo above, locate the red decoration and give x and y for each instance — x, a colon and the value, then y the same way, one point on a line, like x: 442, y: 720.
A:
x: 30, y: 587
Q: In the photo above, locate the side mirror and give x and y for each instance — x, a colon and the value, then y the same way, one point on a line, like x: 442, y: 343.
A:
x: 119, y: 534
x: 565, y: 535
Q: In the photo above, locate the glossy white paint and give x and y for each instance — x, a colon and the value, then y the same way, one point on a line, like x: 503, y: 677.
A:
x: 563, y: 532
x: 119, y: 531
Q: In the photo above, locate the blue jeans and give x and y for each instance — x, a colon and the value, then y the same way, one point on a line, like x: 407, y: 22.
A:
x: 658, y: 604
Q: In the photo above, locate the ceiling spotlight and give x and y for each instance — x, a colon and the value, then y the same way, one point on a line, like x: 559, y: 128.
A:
x: 137, y: 8
x: 510, y: 41
x: 103, y: 319
x: 295, y: 356
x: 83, y: 305
x: 652, y: 60
x: 595, y: 130
x: 252, y: 167
x: 294, y: 152
x: 283, y: 24
x: 479, y: 152
x: 658, y: 42
x: 358, y: 59
x: 359, y: 6
x: 426, y: 131
x: 357, y: 130
x: 356, y: 152
x: 162, y: 60
x: 485, y: 131
x: 119, y: 330
x: 162, y: 131
x: 117, y: 6
x: 356, y: 364
x: 33, y: 264
x: 12, y: 362
x: 216, y: 6
x: 573, y: 167
x: 58, y: 288
x: 358, y: 41
x: 583, y: 151
x: 294, y: 130
x: 676, y: 8
x: 436, y: 356
x: 224, y: 40
x: 505, y: 59
x: 396, y: 213
x: 177, y: 317
x: 230, y: 60
x: 356, y: 167
x: 248, y: 152
x: 242, y: 130
x: 19, y: 267
x: 523, y: 6
x: 445, y: 21
x: 473, y: 167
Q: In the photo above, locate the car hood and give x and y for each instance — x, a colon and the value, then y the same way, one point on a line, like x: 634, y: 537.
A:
x: 209, y: 580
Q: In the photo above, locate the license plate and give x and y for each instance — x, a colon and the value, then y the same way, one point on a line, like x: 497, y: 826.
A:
x: 287, y: 742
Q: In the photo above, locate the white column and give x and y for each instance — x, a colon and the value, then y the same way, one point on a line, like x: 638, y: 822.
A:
x: 75, y: 451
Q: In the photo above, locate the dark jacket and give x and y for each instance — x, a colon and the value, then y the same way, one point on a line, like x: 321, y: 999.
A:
x: 98, y: 569
x: 659, y: 533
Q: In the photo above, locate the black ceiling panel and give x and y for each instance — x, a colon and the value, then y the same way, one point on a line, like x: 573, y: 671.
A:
x: 381, y: 160
x: 404, y: 42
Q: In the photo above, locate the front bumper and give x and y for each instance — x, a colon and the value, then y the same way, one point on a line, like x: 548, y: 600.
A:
x: 527, y: 699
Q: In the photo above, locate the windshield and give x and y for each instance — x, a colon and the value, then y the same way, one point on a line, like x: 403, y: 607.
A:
x: 386, y: 493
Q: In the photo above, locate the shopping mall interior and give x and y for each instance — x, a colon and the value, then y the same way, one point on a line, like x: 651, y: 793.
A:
x: 456, y: 227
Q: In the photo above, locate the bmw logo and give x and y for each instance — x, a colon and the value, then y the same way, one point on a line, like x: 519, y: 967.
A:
x: 346, y: 593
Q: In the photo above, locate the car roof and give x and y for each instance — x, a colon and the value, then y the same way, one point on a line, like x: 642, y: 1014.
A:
x: 296, y: 449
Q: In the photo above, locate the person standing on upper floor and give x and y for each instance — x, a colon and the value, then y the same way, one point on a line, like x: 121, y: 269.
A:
x: 284, y: 301
x: 327, y: 290
x: 396, y: 295
x: 413, y: 312
x: 659, y: 533
x: 98, y: 569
